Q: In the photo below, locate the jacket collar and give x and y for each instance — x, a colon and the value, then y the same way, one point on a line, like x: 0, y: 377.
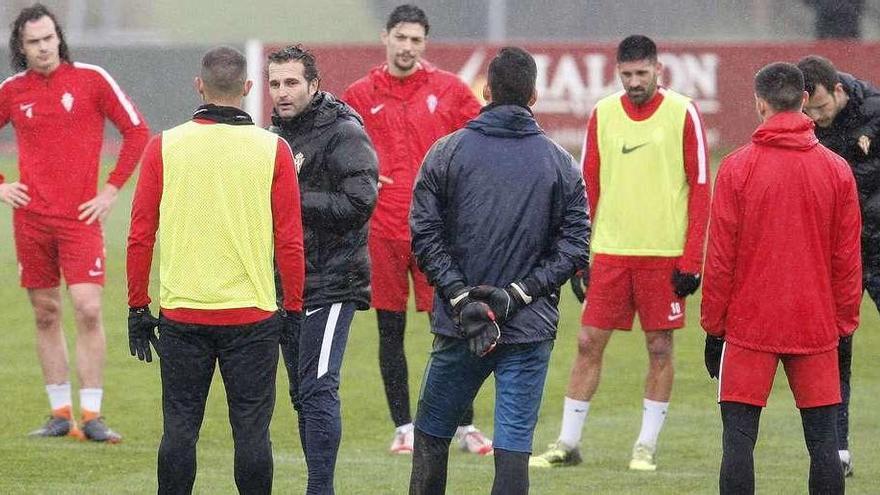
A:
x: 509, y: 121
x: 223, y: 115
x: 792, y: 130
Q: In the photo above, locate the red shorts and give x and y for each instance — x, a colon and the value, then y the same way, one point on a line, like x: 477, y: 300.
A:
x: 391, y: 263
x: 48, y: 247
x: 747, y: 376
x: 617, y: 293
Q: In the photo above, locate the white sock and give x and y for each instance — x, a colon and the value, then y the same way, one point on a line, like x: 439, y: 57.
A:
x: 844, y: 456
x: 90, y: 399
x: 405, y: 428
x: 59, y: 395
x: 653, y: 416
x: 464, y: 430
x: 574, y: 414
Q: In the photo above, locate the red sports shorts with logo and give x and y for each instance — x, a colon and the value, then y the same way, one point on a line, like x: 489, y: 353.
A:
x: 747, y: 376
x: 49, y: 247
x: 392, y: 263
x: 616, y: 294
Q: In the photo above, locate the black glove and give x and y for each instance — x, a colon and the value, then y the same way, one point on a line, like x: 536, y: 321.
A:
x: 844, y: 354
x: 142, y: 332
x: 579, y: 283
x: 458, y: 299
x: 712, y: 355
x: 478, y: 326
x: 290, y: 324
x: 503, y: 302
x: 685, y: 283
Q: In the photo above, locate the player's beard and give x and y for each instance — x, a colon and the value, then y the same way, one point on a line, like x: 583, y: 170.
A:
x: 642, y: 94
x: 405, y: 64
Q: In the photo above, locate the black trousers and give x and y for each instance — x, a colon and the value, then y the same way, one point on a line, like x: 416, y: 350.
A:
x: 740, y: 434
x: 248, y: 359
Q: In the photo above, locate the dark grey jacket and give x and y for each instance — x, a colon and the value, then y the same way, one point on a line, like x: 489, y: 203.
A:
x: 338, y: 176
x: 499, y: 202
x: 861, y: 117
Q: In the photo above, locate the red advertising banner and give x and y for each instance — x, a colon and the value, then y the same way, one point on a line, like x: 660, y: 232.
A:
x: 572, y: 77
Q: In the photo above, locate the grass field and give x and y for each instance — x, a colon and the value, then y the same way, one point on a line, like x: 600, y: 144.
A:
x: 688, y: 458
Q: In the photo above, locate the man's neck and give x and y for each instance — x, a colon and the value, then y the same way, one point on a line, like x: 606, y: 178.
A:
x: 47, y: 71
x: 844, y: 101
x: 644, y: 102
x: 221, y: 102
x: 394, y: 71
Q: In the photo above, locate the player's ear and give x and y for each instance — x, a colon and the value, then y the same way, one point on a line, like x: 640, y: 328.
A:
x: 760, y: 107
x: 487, y: 93
x: 247, y: 87
x: 534, y: 97
x: 384, y: 36
x: 199, y: 86
x: 804, y: 99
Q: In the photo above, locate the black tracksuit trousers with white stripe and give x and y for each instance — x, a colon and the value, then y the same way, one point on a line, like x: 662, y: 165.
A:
x: 313, y: 357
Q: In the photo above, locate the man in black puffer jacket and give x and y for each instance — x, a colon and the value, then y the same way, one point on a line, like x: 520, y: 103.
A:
x: 338, y: 176
x: 847, y: 116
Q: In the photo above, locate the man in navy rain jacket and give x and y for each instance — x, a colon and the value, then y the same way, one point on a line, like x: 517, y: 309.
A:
x: 499, y: 222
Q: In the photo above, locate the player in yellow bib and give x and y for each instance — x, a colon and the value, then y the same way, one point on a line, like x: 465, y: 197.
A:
x: 645, y: 164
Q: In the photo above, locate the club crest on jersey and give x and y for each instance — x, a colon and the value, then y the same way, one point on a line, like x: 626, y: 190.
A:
x: 28, y: 109
x: 298, y: 161
x: 67, y: 101
x: 431, y: 101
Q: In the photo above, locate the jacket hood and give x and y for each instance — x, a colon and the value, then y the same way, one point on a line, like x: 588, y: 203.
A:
x: 323, y: 110
x: 792, y: 130
x: 512, y: 121
x: 855, y: 89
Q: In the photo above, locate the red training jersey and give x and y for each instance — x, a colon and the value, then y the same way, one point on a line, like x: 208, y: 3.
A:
x: 59, y: 126
x: 696, y: 165
x: 783, y: 266
x: 404, y: 117
x: 287, y: 231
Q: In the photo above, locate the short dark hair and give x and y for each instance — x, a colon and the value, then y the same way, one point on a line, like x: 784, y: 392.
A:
x: 636, y: 47
x: 781, y: 84
x: 29, y: 14
x: 512, y: 75
x: 295, y: 53
x: 224, y: 70
x: 407, y: 13
x: 818, y: 70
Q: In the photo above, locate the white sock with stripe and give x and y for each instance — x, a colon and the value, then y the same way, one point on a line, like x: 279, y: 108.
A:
x: 574, y: 415
x: 653, y: 417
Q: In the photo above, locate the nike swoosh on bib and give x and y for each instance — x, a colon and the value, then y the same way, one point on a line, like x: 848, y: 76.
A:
x: 626, y: 150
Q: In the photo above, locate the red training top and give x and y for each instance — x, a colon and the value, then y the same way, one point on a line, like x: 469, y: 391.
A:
x: 783, y: 266
x: 59, y: 125
x: 404, y: 117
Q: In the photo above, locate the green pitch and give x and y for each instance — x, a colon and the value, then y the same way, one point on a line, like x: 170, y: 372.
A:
x: 688, y: 457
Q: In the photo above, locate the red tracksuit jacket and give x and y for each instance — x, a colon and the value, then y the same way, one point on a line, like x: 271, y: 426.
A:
x: 59, y: 126
x: 404, y: 117
x: 783, y: 267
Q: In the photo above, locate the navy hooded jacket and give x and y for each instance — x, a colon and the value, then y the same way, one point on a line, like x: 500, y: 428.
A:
x: 499, y: 202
